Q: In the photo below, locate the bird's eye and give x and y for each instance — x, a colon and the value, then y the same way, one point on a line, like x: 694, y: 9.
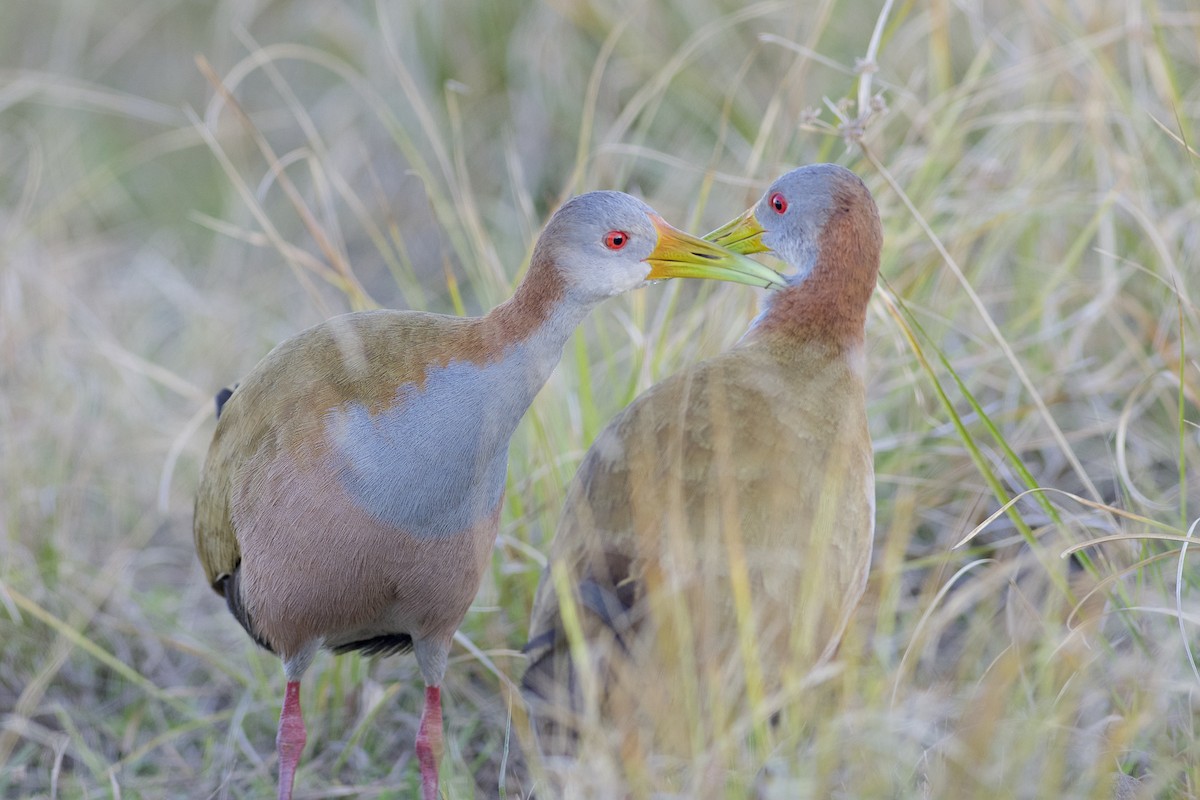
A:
x: 615, y: 240
x: 779, y: 202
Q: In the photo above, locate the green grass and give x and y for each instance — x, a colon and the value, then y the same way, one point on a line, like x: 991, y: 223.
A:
x: 1036, y: 169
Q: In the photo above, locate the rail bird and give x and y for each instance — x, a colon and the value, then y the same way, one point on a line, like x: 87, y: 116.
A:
x: 717, y: 535
x: 351, y: 494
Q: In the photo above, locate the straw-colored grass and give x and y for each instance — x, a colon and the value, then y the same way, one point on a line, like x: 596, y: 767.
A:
x: 183, y: 185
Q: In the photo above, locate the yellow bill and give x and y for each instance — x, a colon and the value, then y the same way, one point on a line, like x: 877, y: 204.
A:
x: 741, y: 235
x: 681, y: 255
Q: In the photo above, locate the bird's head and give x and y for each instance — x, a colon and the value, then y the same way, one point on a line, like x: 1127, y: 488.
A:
x: 816, y: 208
x: 605, y: 243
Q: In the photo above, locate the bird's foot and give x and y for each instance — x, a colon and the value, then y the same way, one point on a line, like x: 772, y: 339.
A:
x: 429, y: 742
x: 290, y: 739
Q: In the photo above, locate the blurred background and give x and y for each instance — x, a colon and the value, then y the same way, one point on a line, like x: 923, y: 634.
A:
x: 183, y: 185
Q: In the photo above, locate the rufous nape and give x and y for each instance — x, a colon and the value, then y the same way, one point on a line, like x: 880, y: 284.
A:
x: 717, y: 535
x: 351, y: 494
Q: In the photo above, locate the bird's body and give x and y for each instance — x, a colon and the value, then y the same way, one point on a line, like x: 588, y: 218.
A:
x: 718, y: 533
x: 395, y: 457
x: 352, y: 491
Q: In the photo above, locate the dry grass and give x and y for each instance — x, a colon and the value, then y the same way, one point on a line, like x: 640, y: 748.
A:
x: 1036, y: 169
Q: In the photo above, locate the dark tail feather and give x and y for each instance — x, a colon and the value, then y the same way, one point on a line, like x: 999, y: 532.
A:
x: 222, y: 397
x: 387, y: 644
x: 613, y: 608
x: 550, y: 683
x: 549, y: 687
x: 230, y: 586
x: 539, y: 672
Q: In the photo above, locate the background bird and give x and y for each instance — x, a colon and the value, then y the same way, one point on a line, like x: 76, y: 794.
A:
x: 717, y: 535
x: 352, y: 491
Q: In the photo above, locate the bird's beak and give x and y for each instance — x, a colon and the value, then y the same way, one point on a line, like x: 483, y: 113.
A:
x: 680, y: 255
x: 742, y: 235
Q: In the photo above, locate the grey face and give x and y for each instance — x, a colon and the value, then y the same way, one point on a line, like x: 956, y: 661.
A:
x: 600, y: 241
x: 583, y: 221
x: 794, y: 211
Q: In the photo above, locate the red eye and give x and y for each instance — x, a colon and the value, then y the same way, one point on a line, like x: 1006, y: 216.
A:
x: 779, y: 202
x: 615, y: 240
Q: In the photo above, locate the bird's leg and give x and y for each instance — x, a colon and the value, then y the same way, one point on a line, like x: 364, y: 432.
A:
x: 290, y: 739
x: 429, y: 742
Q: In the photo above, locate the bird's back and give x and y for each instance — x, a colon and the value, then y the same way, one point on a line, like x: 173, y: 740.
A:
x: 724, y: 518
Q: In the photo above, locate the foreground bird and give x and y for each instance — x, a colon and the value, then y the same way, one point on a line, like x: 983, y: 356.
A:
x: 717, y: 535
x: 352, y: 491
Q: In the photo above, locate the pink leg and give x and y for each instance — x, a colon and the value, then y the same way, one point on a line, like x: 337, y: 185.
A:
x: 290, y: 740
x: 429, y: 742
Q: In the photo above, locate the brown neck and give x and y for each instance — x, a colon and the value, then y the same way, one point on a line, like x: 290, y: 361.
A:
x: 821, y: 309
x: 830, y: 305
x: 532, y: 304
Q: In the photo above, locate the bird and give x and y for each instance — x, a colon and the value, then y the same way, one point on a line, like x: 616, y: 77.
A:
x: 717, y: 535
x: 350, y: 497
